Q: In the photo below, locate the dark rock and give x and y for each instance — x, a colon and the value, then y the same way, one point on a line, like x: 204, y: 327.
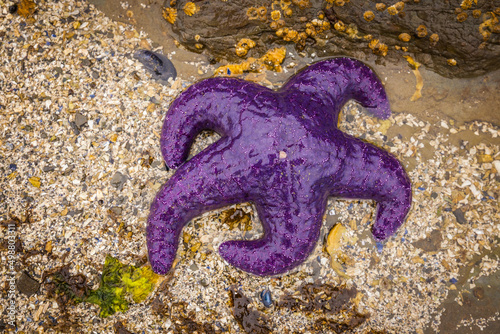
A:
x: 85, y: 62
x: 434, y: 31
x: 48, y: 168
x: 80, y: 120
x: 13, y: 9
x: 75, y: 129
x: 118, y: 180
x: 460, y: 216
x: 116, y: 210
x: 27, y: 285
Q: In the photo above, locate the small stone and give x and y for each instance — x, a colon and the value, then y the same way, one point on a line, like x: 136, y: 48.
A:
x: 460, y: 216
x: 116, y: 210
x: 48, y: 168
x: 118, y: 180
x: 95, y: 75
x: 27, y: 285
x: 193, y: 267
x: 13, y: 9
x: 80, y: 120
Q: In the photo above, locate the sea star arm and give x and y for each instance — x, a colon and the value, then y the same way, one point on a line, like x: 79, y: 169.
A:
x: 323, y: 88
x: 368, y: 172
x: 212, y: 104
x: 291, y: 230
x: 202, y: 184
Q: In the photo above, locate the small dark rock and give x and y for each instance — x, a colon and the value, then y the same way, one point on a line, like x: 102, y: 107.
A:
x: 27, y: 285
x: 48, y: 168
x: 80, y: 120
x: 13, y: 9
x: 95, y: 75
x: 118, y: 180
x: 460, y: 216
x: 85, y: 62
x: 75, y: 129
x: 117, y: 210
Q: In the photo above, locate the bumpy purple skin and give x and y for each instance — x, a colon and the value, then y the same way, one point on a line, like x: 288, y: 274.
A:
x: 290, y: 194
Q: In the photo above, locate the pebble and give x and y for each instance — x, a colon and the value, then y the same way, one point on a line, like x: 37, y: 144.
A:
x: 80, y: 120
x: 460, y: 216
x: 118, y: 180
x: 27, y: 285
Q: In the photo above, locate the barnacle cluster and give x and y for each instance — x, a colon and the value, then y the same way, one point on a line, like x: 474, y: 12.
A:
x: 490, y: 24
x: 368, y: 15
x: 378, y: 48
x: 170, y: 14
x: 271, y: 60
x: 254, y: 13
x: 243, y: 46
x: 190, y: 8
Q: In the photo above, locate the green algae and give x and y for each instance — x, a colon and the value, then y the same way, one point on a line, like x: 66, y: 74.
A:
x: 119, y: 284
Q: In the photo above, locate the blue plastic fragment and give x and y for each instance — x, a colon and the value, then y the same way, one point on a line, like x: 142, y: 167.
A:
x: 13, y: 166
x: 453, y: 281
x: 380, y: 246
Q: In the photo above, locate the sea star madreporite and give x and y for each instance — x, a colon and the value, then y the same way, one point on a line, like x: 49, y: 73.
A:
x: 280, y: 150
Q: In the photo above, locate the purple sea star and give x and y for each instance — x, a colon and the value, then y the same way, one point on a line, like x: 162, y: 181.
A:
x: 280, y: 150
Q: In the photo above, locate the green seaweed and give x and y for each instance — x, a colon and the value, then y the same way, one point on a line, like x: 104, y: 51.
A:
x: 119, y: 284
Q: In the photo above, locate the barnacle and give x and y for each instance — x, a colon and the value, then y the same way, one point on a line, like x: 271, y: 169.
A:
x: 466, y: 4
x: 288, y: 12
x: 243, y: 46
x: 273, y: 25
x: 462, y: 17
x: 399, y: 6
x: 434, y: 38
x: 275, y: 15
x: 451, y: 62
x: 380, y: 7
x: 252, y: 13
x: 170, y: 14
x: 378, y: 48
x: 421, y: 31
x: 190, y: 8
x: 392, y: 10
x: 404, y: 37
x: 302, y: 4
x: 368, y: 15
x: 476, y: 13
x: 339, y: 26
x: 262, y: 12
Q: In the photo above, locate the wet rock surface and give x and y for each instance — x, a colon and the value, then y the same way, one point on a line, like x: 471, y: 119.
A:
x: 451, y: 39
